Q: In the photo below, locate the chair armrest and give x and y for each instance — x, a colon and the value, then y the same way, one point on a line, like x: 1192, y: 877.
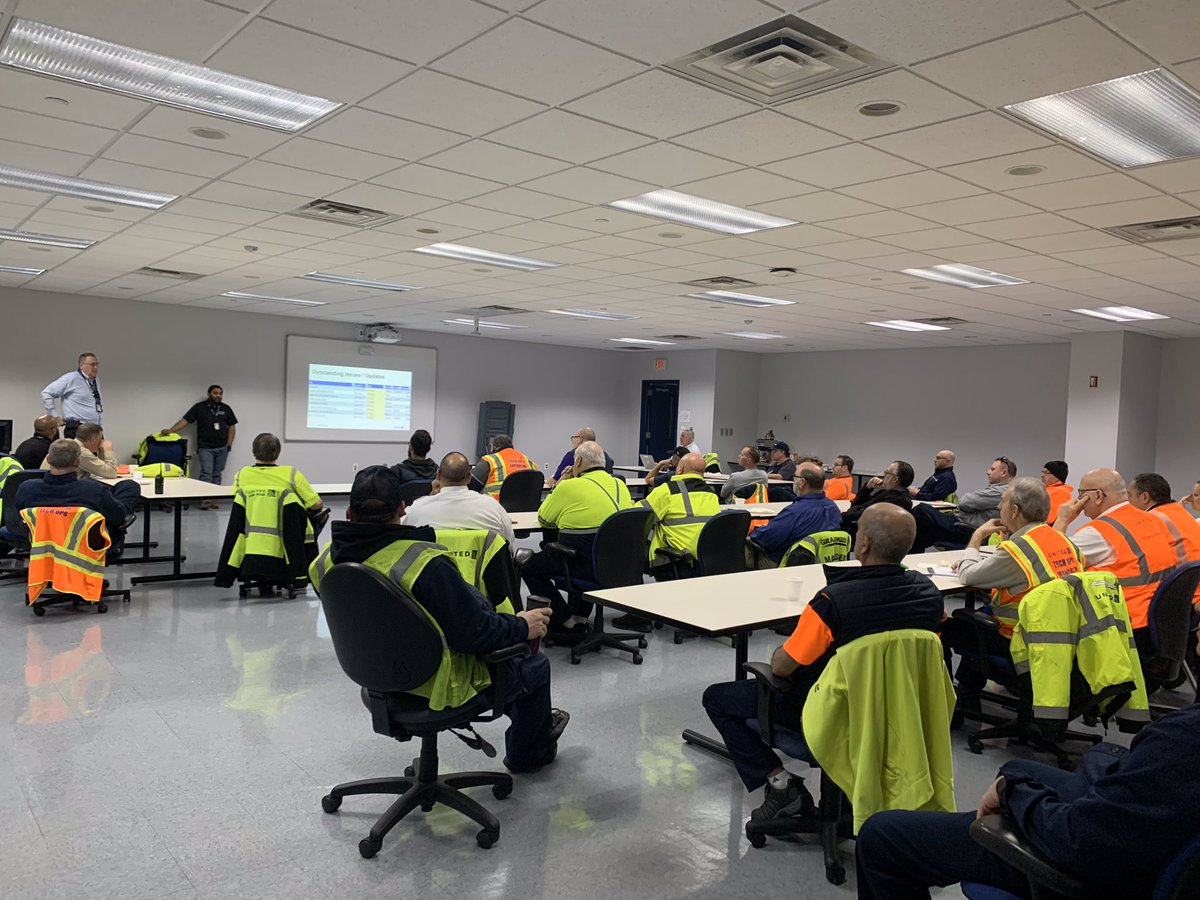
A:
x: 516, y: 651
x: 997, y: 834
x: 976, y: 618
x: 521, y: 556
x: 562, y: 550
x: 769, y: 684
x: 672, y: 554
x: 500, y: 673
x: 761, y: 671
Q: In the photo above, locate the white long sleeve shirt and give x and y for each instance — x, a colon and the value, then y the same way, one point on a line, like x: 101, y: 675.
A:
x: 460, y: 507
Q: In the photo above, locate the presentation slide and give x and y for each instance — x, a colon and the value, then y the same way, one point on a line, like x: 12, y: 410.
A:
x: 352, y: 391
x: 351, y: 397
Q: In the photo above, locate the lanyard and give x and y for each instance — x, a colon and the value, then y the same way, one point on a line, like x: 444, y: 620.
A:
x: 91, y: 383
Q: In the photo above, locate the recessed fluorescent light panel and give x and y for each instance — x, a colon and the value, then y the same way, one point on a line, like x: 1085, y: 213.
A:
x: 49, y: 240
x: 47, y: 50
x: 82, y: 187
x: 504, y: 326
x: 905, y: 325
x: 647, y: 342
x: 964, y: 276
x: 737, y: 299
x: 486, y: 257
x: 1134, y: 120
x: 688, y: 210
x: 20, y: 270
x: 1121, y: 314
x: 592, y: 314
x: 359, y: 282
x: 239, y: 295
x: 754, y: 335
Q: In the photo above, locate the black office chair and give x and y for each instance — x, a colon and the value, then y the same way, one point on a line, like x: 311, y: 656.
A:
x: 1172, y: 621
x: 719, y: 551
x: 12, y: 528
x: 97, y: 536
x: 618, y: 560
x: 1179, y: 880
x: 414, y: 490
x: 522, y: 491
x: 387, y: 645
x: 780, y: 493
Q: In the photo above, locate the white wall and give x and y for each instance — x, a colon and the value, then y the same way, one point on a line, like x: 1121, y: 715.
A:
x: 735, y: 403
x: 1178, y: 451
x: 1141, y: 373
x: 696, y: 372
x: 1094, y: 412
x: 157, y: 359
x: 880, y: 405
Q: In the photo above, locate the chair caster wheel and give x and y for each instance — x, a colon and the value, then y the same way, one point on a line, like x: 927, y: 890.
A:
x: 678, y: 639
x: 658, y: 626
x: 243, y: 593
x: 835, y: 875
x: 501, y: 791
x: 575, y: 660
x: 410, y: 772
x: 486, y: 839
x: 291, y: 594
x: 975, y: 746
x: 757, y: 841
x: 330, y: 803
x: 427, y: 807
x: 101, y: 607
x: 39, y: 610
x: 368, y: 848
x: 637, y: 659
x: 642, y: 643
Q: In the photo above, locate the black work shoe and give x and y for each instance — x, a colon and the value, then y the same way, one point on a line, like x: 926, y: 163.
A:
x: 570, y: 637
x: 792, y: 800
x: 558, y: 723
x: 630, y: 622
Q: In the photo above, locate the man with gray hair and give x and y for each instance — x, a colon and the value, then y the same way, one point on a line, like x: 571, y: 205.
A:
x: 566, y: 464
x: 62, y: 487
x: 687, y: 438
x: 96, y: 457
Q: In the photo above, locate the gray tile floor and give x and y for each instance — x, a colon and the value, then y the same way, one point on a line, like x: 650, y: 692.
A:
x: 179, y: 747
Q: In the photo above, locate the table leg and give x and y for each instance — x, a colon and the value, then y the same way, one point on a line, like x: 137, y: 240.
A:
x: 741, y: 654
x: 177, y: 557
x: 704, y: 742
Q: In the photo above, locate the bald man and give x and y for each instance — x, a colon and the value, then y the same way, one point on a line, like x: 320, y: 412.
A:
x: 809, y: 513
x: 1132, y: 544
x: 452, y: 504
x: 681, y: 505
x: 880, y: 595
x: 31, y: 451
x: 942, y: 483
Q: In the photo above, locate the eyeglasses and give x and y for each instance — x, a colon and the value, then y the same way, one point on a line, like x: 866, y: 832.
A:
x: 576, y: 437
x: 1082, y: 493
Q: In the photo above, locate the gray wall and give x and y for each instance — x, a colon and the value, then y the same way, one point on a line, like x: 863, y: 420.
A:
x: 1178, y: 452
x: 735, y: 403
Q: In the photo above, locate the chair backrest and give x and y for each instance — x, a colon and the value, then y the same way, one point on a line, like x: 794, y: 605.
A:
x: 411, y: 490
x: 522, y: 491
x: 1180, y: 880
x: 1170, y: 616
x: 12, y: 515
x: 780, y: 493
x: 819, y: 547
x: 164, y: 451
x: 382, y: 638
x: 619, y: 549
x: 721, y: 547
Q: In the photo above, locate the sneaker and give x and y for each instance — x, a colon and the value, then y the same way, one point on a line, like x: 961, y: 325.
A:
x: 630, y: 622
x: 558, y: 723
x: 792, y: 800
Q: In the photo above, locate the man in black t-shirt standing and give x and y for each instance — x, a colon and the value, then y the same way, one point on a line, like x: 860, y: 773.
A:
x: 216, y: 426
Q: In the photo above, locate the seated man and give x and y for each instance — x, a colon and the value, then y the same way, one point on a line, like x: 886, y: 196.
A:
x: 741, y: 484
x: 942, y: 483
x: 681, y: 506
x: 781, y: 468
x: 31, y: 451
x: 1083, y: 821
x: 567, y: 463
x: 891, y: 487
x: 470, y: 627
x: 1054, y: 476
x: 687, y: 440
x: 880, y: 595
x: 452, y: 503
x: 661, y: 471
x: 266, y: 473
x: 955, y: 529
x: 1191, y: 501
x: 841, y: 485
x: 810, y: 512
x: 499, y: 464
x: 575, y: 509
x: 1031, y: 554
x: 96, y: 457
x: 63, y: 487
x: 1133, y: 545
x: 418, y: 466
x: 1151, y: 493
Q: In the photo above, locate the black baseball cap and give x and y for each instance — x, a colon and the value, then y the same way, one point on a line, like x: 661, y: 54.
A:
x: 375, y: 494
x: 782, y: 445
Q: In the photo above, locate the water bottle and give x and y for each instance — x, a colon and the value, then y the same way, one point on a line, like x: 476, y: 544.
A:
x: 158, y: 483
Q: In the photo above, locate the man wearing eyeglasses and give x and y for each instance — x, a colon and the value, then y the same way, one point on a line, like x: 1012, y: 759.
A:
x: 942, y: 483
x: 974, y: 508
x: 567, y: 463
x: 1133, y: 545
x: 78, y: 392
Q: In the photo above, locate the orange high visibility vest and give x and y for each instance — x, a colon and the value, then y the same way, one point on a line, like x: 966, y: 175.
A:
x: 1043, y: 554
x: 1144, y: 556
x: 60, y: 555
x: 839, y: 488
x: 1184, y: 530
x: 501, y: 465
x: 759, y: 496
x: 1059, y: 494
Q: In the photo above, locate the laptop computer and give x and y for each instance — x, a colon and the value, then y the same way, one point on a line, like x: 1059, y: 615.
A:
x: 647, y: 460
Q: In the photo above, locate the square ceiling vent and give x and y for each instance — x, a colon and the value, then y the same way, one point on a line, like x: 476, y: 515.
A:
x: 344, y: 214
x: 781, y: 60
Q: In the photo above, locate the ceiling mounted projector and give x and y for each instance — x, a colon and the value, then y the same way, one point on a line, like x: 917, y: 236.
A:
x: 380, y: 333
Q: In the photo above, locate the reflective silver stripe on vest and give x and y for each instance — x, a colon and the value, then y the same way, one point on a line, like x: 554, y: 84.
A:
x: 1029, y: 552
x: 402, y: 565
x: 1144, y: 575
x: 584, y: 531
x: 1148, y: 578
x: 1050, y: 637
x: 263, y: 529
x: 324, y: 562
x: 1022, y: 667
x: 1094, y: 628
x: 1051, y: 712
x: 687, y: 500
x: 63, y: 555
x: 1176, y: 537
x: 77, y: 530
x: 1008, y: 611
x: 487, y: 545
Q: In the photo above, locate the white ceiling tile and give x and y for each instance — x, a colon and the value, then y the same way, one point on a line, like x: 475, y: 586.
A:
x: 31, y: 128
x: 275, y: 177
x: 849, y: 164
x: 601, y: 219
x: 1075, y: 240
x: 798, y: 236
x: 114, y: 172
x: 673, y: 257
x: 385, y: 135
x: 471, y: 217
x: 589, y: 185
x: 411, y: 30
x: 860, y: 249
x: 972, y: 209
x: 41, y: 159
x: 1162, y: 270
x: 817, y: 207
x: 255, y: 198
x: 746, y: 186
x: 1060, y: 164
x: 1033, y: 225
x: 918, y: 30
x: 1130, y: 211
x: 929, y: 239
x: 909, y: 190
x: 1125, y: 253
x: 174, y: 124
x: 376, y: 196
x: 546, y: 233
x: 566, y: 136
x: 1111, y: 188
x: 962, y: 140
x: 496, y: 162
x: 613, y: 245
x: 179, y: 28
x: 838, y: 270
x: 306, y: 62
x: 81, y: 205
x: 660, y: 104
x: 445, y: 102
x: 553, y: 68
x: 880, y: 224
x: 1166, y: 29
x: 145, y: 151
x: 1057, y: 57
x: 837, y: 110
x: 19, y: 90
x: 664, y: 165
x: 1173, y: 177
x: 331, y: 159
x: 525, y: 203
x: 654, y: 32
x: 759, y: 138
x: 433, y: 182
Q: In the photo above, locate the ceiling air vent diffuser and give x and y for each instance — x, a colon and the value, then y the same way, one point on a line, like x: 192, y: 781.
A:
x: 720, y: 281
x: 778, y: 61
x: 343, y: 214
x: 168, y: 273
x: 943, y: 321
x: 1166, y: 230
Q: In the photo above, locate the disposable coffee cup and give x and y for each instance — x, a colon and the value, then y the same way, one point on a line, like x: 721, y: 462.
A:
x: 536, y: 603
x: 795, y: 588
x: 136, y: 475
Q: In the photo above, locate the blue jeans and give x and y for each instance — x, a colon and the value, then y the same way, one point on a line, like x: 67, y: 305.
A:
x: 212, y: 463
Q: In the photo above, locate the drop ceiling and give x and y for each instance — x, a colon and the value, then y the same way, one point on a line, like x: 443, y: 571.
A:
x: 508, y: 126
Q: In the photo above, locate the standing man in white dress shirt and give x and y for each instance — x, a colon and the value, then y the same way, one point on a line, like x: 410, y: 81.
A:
x: 78, y: 392
x: 452, y: 504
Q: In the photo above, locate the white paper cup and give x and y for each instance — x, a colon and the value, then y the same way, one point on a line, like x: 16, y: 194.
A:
x: 795, y: 588
x: 136, y: 475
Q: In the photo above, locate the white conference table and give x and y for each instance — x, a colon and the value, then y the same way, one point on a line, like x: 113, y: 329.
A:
x: 528, y: 521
